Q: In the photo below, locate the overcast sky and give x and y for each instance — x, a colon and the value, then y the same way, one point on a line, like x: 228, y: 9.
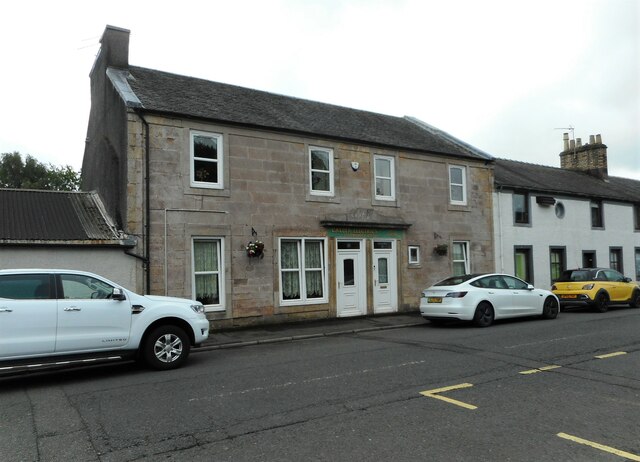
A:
x: 504, y: 76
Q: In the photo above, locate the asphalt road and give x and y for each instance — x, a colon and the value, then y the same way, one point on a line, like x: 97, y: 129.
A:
x: 560, y: 390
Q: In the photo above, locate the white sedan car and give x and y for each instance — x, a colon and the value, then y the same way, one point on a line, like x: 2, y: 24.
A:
x: 482, y: 298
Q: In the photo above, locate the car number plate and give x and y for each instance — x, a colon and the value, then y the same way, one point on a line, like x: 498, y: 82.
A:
x: 434, y: 300
x: 570, y: 296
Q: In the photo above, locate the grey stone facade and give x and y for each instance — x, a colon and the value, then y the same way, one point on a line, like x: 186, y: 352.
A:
x: 266, y: 195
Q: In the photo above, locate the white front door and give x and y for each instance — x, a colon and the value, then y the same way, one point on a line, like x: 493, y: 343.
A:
x: 351, y: 278
x: 385, y: 280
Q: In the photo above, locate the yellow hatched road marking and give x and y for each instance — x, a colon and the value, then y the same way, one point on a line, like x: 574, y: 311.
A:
x: 434, y: 394
x: 541, y: 369
x: 602, y: 447
x: 611, y: 355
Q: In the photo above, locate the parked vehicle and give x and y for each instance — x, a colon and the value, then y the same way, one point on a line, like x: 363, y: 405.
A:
x: 596, y: 287
x: 482, y: 298
x: 51, y: 314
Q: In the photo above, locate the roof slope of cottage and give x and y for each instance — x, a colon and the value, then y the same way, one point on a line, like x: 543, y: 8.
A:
x: 513, y: 174
x: 54, y: 217
x: 178, y: 95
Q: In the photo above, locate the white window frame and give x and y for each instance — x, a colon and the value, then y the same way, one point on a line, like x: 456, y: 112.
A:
x: 301, y: 271
x: 220, y: 306
x: 392, y: 172
x: 315, y: 192
x: 465, y: 259
x: 414, y: 261
x: 463, y: 185
x: 219, y: 184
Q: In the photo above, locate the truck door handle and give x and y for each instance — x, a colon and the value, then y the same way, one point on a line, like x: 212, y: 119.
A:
x: 72, y: 308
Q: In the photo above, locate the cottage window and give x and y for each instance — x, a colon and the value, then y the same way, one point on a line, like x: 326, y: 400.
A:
x: 460, y: 257
x: 457, y: 185
x: 384, y: 171
x: 414, y: 254
x: 321, y: 171
x: 302, y: 271
x: 521, y: 208
x: 637, y: 251
x: 636, y: 217
x: 557, y: 258
x: 523, y: 263
x: 615, y: 259
x: 206, y: 160
x: 207, y: 273
x: 596, y: 215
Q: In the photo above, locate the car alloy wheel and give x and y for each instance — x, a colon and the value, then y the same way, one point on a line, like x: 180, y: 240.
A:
x: 550, y: 309
x: 167, y: 347
x: 635, y: 299
x: 483, y: 316
x: 602, y: 302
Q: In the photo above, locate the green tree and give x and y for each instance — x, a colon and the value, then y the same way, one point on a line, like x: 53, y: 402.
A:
x: 29, y: 173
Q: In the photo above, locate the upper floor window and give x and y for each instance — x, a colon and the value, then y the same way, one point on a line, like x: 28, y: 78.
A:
x: 208, y: 273
x: 636, y: 217
x: 521, y: 208
x: 637, y: 263
x: 321, y: 171
x: 206, y: 160
x: 460, y: 257
x: 458, y: 185
x: 596, y: 214
x: 384, y: 172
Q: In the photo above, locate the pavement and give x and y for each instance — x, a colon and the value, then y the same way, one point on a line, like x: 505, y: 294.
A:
x: 301, y: 330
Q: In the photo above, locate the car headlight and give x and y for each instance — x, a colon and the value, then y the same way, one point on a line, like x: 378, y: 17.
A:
x: 198, y: 308
x: 588, y: 286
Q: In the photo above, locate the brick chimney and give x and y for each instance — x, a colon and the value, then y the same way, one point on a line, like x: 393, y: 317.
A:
x: 590, y: 158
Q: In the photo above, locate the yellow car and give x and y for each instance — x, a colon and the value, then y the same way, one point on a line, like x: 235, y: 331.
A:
x: 596, y: 287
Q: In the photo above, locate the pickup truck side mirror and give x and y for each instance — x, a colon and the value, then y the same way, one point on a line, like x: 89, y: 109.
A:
x: 118, y: 294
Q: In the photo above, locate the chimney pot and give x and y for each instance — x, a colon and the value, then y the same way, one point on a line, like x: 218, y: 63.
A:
x: 565, y: 139
x: 599, y: 138
x: 592, y: 139
x: 578, y: 142
x: 572, y: 144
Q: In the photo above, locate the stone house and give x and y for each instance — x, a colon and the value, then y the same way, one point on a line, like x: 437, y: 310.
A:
x: 270, y: 208
x: 548, y: 219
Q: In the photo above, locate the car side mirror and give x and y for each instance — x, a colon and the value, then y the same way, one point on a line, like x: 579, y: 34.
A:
x: 626, y: 280
x: 530, y: 287
x: 118, y: 294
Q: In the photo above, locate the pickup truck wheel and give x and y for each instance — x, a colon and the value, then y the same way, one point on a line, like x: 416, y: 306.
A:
x: 166, y: 347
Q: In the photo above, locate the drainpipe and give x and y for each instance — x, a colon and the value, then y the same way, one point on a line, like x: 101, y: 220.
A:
x: 146, y: 258
x: 501, y: 253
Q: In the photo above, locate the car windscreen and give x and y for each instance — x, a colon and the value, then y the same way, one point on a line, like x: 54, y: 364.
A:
x: 455, y: 280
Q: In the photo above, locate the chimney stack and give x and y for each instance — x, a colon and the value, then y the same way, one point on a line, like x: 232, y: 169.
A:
x: 588, y: 158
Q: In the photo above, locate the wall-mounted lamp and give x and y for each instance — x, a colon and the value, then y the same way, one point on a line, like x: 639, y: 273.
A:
x: 355, y: 166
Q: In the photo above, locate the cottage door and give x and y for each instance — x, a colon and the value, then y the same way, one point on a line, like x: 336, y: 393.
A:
x: 351, y: 278
x: 385, y: 285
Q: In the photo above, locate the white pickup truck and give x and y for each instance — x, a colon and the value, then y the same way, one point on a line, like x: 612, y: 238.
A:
x: 56, y: 315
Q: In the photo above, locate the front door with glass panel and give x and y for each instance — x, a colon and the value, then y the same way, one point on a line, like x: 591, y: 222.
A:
x: 351, y: 278
x: 385, y: 287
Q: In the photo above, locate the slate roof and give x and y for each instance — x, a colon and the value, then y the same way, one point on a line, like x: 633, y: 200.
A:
x: 513, y: 174
x: 54, y: 217
x: 178, y: 95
